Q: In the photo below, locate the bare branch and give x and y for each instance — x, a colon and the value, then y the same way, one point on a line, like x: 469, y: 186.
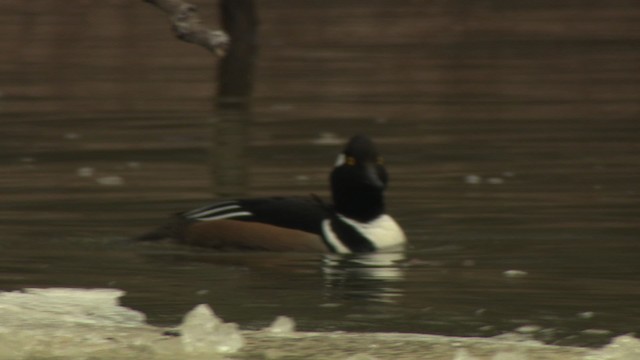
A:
x: 188, y: 27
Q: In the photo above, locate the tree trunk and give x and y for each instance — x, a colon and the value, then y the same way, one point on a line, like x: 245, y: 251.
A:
x: 235, y: 72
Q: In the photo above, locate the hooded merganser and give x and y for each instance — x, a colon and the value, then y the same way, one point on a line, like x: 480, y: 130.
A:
x: 355, y: 223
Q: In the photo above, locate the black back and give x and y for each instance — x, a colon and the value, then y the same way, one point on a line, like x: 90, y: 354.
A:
x: 298, y: 213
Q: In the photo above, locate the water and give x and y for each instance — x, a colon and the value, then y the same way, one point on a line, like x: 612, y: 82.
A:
x: 509, y: 130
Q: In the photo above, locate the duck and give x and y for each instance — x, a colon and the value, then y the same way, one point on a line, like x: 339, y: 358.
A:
x: 355, y: 221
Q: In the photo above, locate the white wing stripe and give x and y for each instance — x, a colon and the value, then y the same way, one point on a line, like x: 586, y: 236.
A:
x: 225, y: 216
x: 214, y: 211
x: 209, y: 207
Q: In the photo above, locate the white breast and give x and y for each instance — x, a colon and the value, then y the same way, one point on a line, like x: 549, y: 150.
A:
x: 383, y: 232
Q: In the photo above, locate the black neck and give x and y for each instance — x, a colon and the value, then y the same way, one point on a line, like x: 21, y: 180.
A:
x: 361, y: 204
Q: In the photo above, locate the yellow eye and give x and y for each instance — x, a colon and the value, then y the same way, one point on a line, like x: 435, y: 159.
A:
x: 350, y: 161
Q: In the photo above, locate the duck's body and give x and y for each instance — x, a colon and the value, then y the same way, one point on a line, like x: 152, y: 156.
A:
x: 354, y: 223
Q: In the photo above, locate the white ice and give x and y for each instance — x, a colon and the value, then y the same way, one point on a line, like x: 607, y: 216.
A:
x: 112, y: 180
x: 66, y: 307
x: 74, y: 324
x: 623, y: 347
x: 282, y: 325
x: 202, y: 332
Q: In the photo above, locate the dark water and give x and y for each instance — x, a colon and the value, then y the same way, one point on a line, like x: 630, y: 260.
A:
x: 510, y: 130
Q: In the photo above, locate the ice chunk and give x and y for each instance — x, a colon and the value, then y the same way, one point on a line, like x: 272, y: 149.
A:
x: 521, y: 338
x: 515, y: 273
x: 204, y: 333
x: 282, y: 325
x: 508, y: 355
x: 362, y: 357
x: 113, y: 180
x: 71, y: 306
x: 85, y: 171
x: 330, y: 305
x: 80, y: 324
x: 328, y: 138
x: 623, y: 347
x: 586, y: 315
x: 528, y: 329
x: 473, y: 179
x: 596, y: 332
x: 463, y: 354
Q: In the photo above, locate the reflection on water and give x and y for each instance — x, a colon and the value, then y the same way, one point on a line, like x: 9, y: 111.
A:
x: 228, y: 158
x: 510, y: 132
x: 368, y: 277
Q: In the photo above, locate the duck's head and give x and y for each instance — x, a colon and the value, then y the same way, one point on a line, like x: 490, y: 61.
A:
x: 358, y: 180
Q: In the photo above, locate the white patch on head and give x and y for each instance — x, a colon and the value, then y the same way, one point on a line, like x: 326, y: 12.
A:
x: 340, y: 160
x: 383, y: 231
x: 332, y: 239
